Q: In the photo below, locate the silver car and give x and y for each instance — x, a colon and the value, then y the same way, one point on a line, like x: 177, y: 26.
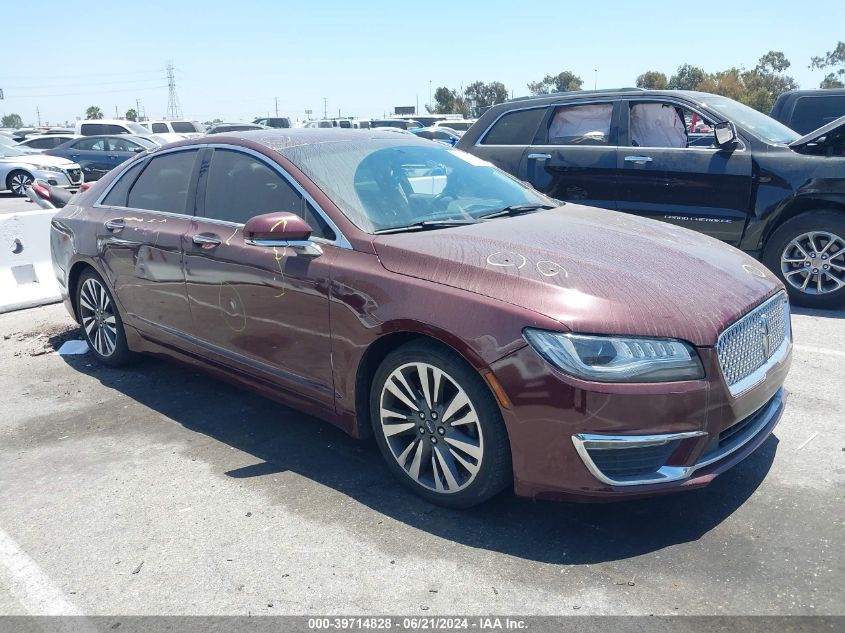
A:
x: 18, y: 170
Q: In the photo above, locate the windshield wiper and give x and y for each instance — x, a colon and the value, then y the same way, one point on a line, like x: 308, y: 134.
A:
x: 517, y: 209
x: 425, y: 225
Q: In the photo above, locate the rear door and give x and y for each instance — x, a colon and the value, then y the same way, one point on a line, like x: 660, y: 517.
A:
x: 506, y: 143
x: 574, y: 154
x: 262, y: 309
x: 667, y: 172
x: 147, y: 212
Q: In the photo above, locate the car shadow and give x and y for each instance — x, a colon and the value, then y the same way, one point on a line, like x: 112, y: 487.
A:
x: 284, y: 440
x: 828, y: 314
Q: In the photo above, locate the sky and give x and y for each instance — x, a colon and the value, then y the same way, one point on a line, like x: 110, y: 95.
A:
x: 233, y: 60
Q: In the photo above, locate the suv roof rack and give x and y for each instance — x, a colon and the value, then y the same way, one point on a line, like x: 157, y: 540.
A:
x: 577, y: 92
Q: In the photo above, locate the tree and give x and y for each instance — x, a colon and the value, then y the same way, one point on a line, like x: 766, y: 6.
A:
x: 131, y: 114
x: 444, y: 100
x: 565, y: 81
x: 483, y: 95
x: 12, y: 120
x: 728, y: 83
x: 653, y: 80
x: 766, y: 81
x: 832, y: 59
x: 687, y: 78
x: 93, y: 112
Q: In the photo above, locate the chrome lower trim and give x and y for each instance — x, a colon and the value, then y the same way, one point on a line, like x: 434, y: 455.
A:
x: 585, y: 441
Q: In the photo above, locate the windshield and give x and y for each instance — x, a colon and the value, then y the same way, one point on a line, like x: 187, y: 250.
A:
x: 136, y: 128
x: 385, y: 183
x: 750, y: 119
x: 6, y: 151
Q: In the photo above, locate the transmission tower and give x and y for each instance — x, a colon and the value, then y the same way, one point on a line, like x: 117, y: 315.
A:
x: 174, y: 110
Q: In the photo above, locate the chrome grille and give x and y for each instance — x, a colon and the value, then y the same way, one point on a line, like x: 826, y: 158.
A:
x: 751, y: 342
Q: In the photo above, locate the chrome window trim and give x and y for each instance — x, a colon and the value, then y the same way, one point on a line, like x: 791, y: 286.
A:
x: 340, y: 241
x: 759, y: 374
x: 666, y: 474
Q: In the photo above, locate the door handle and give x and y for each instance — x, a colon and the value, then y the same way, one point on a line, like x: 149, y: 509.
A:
x: 539, y: 156
x: 206, y: 241
x: 118, y: 224
x: 639, y: 160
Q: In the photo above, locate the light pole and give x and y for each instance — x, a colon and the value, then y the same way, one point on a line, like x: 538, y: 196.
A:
x: 596, y: 78
x: 429, y: 95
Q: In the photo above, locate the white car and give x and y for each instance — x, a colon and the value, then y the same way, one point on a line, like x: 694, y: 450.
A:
x: 42, y: 142
x: 188, y: 129
x: 108, y: 127
x: 18, y: 170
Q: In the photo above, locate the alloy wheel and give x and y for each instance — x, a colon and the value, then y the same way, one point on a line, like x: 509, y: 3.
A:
x: 814, y: 262
x: 19, y: 182
x: 98, y: 317
x: 431, y: 427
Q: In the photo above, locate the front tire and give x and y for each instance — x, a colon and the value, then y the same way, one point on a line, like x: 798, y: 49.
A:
x: 17, y: 182
x: 807, y: 252
x: 101, y: 321
x: 438, y: 426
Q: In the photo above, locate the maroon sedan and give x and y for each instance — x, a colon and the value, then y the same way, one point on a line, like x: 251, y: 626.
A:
x: 486, y: 335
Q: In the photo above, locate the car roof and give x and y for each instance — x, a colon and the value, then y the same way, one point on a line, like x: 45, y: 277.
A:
x: 279, y: 139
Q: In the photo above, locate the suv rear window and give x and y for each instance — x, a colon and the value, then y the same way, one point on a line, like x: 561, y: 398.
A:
x: 183, y: 127
x: 811, y: 113
x: 515, y: 128
x: 96, y: 129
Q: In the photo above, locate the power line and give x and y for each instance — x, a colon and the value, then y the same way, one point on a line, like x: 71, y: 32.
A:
x: 75, y: 76
x: 84, y: 85
x: 174, y: 111
x: 87, y: 92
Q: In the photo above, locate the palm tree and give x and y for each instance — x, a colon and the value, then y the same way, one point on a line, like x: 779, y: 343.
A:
x: 131, y: 114
x: 93, y: 113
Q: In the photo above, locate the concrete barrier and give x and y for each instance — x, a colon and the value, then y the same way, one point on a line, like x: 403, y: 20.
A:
x: 26, y: 271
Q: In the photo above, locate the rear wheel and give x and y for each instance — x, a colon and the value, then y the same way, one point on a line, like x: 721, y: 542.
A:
x: 808, y: 253
x: 17, y: 182
x: 100, y: 320
x: 438, y: 427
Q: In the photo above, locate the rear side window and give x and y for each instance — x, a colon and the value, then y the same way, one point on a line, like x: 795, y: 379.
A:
x: 183, y: 127
x: 95, y: 129
x: 587, y: 124
x: 45, y: 143
x: 91, y: 144
x: 119, y: 192
x: 811, y: 113
x: 164, y: 184
x: 515, y: 128
x: 159, y: 128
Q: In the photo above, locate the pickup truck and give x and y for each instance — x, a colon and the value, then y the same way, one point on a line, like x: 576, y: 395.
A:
x: 698, y: 160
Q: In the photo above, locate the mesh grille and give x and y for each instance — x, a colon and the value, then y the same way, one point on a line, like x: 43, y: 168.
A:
x: 749, y: 343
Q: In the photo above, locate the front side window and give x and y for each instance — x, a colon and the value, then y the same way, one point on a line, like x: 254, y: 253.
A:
x: 515, y: 128
x: 669, y: 125
x: 164, y: 184
x: 124, y: 145
x: 240, y: 187
x: 586, y: 124
x: 387, y: 183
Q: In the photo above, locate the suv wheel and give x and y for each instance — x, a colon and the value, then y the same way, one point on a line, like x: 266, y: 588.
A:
x: 808, y: 254
x: 438, y: 427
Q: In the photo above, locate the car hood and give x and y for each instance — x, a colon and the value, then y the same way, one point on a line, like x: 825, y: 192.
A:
x: 594, y: 271
x: 815, y: 135
x: 39, y: 159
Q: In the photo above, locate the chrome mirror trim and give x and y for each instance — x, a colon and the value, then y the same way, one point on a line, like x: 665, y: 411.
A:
x: 304, y: 248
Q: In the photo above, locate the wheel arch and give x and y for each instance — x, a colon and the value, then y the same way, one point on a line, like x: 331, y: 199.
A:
x: 804, y: 204
x: 378, y: 350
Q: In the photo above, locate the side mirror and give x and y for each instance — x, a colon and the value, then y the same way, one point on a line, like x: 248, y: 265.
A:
x: 281, y: 230
x: 725, y: 133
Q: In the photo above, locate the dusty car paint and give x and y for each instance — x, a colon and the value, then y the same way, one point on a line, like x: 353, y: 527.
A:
x: 307, y: 331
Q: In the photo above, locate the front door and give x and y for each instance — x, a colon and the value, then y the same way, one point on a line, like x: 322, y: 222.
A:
x: 670, y: 170
x: 264, y: 310
x: 147, y: 212
x: 574, y: 157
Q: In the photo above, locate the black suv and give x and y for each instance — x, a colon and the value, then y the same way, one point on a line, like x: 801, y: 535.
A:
x: 697, y: 160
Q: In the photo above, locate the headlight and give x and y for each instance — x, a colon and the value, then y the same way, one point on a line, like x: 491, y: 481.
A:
x: 49, y: 168
x: 617, y: 358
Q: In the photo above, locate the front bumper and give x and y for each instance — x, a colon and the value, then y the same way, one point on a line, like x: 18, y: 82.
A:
x: 69, y: 178
x: 683, y: 433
